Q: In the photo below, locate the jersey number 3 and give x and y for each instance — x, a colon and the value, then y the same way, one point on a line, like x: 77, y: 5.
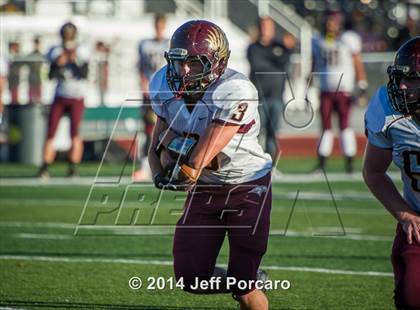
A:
x: 412, y: 168
x: 240, y: 112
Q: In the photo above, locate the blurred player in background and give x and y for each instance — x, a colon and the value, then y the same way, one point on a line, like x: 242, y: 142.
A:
x: 208, y: 121
x: 267, y: 55
x: 4, y: 70
x: 35, y: 60
x: 69, y: 67
x: 151, y: 58
x: 393, y: 130
x: 337, y: 58
x: 15, y: 64
x: 102, y: 69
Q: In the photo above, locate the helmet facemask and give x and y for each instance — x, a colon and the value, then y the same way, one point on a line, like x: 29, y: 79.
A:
x: 192, y: 83
x: 403, y: 100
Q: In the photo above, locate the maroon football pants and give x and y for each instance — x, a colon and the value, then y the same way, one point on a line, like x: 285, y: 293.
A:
x: 243, y: 212
x: 335, y: 101
x: 60, y: 106
x: 406, y: 264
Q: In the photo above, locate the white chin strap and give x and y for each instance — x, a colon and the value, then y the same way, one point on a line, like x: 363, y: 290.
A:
x: 326, y: 143
x: 348, y: 142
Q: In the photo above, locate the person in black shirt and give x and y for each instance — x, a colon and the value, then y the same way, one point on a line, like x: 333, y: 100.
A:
x: 15, y: 65
x: 268, y: 59
x: 35, y: 61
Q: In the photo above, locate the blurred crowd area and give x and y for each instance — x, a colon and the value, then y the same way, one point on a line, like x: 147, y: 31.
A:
x: 121, y: 46
x: 27, y: 71
x: 382, y: 26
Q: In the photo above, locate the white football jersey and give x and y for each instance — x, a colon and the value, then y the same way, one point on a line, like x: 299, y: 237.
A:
x: 389, y: 129
x: 232, y: 99
x: 71, y: 86
x: 333, y: 61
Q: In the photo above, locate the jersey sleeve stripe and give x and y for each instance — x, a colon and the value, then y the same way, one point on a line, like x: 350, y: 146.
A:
x: 246, y: 127
x: 222, y: 122
x: 243, y: 129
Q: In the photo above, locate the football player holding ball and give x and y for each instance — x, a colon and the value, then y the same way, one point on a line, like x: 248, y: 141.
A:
x: 205, y: 142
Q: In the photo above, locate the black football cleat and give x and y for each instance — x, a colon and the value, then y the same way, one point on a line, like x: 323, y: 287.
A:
x: 72, y: 172
x: 349, y: 167
x: 43, y: 173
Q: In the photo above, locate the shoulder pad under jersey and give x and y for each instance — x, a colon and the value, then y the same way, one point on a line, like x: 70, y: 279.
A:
x: 232, y: 88
x: 379, y: 114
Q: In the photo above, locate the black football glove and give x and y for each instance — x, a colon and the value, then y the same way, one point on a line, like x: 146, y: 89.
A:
x: 164, y: 181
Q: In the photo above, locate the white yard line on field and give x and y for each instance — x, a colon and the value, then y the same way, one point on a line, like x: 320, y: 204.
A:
x: 322, y: 195
x: 44, y: 236
x: 328, y: 208
x: 323, y: 234
x: 87, y: 181
x: 352, y: 233
x: 36, y: 225
x: 70, y: 259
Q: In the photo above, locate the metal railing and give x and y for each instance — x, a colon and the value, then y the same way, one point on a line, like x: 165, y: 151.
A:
x: 189, y: 8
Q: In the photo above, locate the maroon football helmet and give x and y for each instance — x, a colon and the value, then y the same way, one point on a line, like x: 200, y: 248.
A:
x: 201, y: 46
x: 406, y: 66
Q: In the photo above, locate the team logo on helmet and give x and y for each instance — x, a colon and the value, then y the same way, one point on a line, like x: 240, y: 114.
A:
x: 218, y: 42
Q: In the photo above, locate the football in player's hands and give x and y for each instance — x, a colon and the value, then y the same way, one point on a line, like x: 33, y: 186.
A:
x: 167, y: 162
x: 169, y: 178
